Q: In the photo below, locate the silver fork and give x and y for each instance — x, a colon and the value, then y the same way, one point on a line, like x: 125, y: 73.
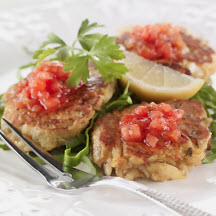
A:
x: 73, y: 181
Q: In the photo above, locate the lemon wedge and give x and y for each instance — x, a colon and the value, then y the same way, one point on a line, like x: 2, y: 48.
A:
x: 155, y: 82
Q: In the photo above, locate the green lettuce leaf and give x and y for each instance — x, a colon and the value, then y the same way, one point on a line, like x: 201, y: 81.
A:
x: 207, y: 95
x: 83, y: 139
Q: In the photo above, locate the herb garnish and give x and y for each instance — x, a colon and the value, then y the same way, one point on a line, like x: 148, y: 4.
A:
x: 87, y: 47
x: 207, y: 95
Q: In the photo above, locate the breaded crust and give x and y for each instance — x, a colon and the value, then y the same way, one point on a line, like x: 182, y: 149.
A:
x: 54, y: 129
x: 133, y: 160
x: 198, y: 58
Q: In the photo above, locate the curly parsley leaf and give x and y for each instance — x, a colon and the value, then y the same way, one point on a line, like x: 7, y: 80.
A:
x: 53, y: 39
x: 79, y: 66
x: 37, y: 53
x: 110, y: 70
x: 45, y: 53
x: 207, y: 95
x: 86, y: 27
x: 98, y: 48
x: 89, y: 40
x: 106, y: 49
x: 63, y: 53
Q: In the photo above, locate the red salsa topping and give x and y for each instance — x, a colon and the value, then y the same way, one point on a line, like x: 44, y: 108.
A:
x: 159, y: 41
x: 45, y: 88
x: 153, y: 125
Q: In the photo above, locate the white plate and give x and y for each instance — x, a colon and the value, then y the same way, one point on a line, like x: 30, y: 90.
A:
x: 25, y: 23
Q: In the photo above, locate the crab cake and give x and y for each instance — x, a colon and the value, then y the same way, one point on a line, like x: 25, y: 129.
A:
x: 53, y: 128
x: 136, y: 159
x: 172, y: 46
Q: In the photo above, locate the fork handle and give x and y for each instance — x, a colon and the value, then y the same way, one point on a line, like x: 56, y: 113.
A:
x: 172, y: 204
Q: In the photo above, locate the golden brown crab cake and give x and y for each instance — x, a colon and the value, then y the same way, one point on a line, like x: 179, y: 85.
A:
x: 54, y: 128
x: 197, y: 59
x: 110, y: 151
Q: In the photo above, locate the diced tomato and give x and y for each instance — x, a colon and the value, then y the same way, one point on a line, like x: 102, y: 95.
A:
x: 152, y: 125
x: 178, y: 114
x: 45, y: 88
x: 153, y: 106
x: 141, y: 110
x: 143, y: 122
x: 51, y: 103
x: 151, y: 140
x: 43, y: 95
x: 175, y: 135
x: 128, y: 119
x: 44, y: 75
x: 20, y: 105
x: 36, y: 108
x: 165, y: 107
x: 159, y: 124
x: 55, y: 86
x: 159, y: 41
x: 37, y: 84
x: 135, y: 132
x: 131, y: 132
x: 25, y: 93
x: 156, y: 114
x: 30, y: 104
x: 125, y: 133
x: 33, y: 93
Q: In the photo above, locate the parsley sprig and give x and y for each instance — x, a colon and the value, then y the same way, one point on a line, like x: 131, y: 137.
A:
x: 87, y: 47
x: 207, y: 95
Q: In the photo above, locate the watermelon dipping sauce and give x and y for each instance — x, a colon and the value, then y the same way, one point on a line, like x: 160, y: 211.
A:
x: 159, y: 41
x: 45, y: 88
x: 153, y: 125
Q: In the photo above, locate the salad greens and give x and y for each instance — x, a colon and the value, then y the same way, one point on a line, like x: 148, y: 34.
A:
x: 2, y: 146
x: 2, y: 104
x: 60, y: 157
x: 207, y: 95
x: 83, y: 138
x: 87, y: 47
